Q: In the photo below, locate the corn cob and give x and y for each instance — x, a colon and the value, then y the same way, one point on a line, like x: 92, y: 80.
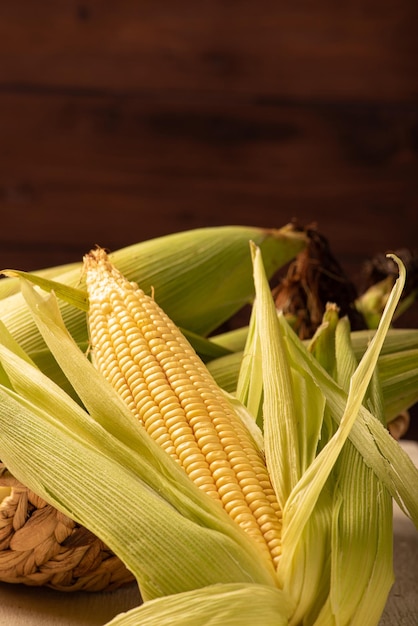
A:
x: 155, y: 370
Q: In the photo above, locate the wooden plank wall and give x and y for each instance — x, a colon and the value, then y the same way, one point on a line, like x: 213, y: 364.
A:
x: 125, y: 120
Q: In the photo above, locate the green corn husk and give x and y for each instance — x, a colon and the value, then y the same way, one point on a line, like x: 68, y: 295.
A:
x: 397, y: 366
x: 357, y: 486
x: 219, y: 605
x: 396, y: 340
x: 398, y: 374
x: 189, y: 558
x: 201, y: 278
x: 11, y: 286
x: 308, y: 508
x: 371, y: 303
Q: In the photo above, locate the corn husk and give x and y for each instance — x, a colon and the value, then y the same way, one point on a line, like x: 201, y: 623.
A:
x: 200, y: 277
x: 397, y: 366
x: 189, y: 559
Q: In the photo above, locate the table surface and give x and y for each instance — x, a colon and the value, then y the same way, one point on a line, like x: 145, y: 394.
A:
x: 26, y: 606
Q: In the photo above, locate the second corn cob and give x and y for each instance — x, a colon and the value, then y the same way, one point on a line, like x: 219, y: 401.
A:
x: 148, y: 361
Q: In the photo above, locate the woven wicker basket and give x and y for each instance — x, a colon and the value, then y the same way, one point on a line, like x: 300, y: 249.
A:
x: 41, y: 546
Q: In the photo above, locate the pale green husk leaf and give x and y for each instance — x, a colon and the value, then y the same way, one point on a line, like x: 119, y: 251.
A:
x: 397, y: 367
x: 199, y: 277
x: 319, y: 505
x: 218, y: 605
x: 379, y: 450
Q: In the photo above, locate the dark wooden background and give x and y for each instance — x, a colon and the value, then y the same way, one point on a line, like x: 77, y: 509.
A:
x: 125, y: 120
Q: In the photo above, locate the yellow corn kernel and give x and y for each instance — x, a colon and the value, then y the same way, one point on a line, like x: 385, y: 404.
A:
x: 167, y: 387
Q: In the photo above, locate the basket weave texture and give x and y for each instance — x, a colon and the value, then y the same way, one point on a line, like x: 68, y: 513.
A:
x: 40, y: 546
